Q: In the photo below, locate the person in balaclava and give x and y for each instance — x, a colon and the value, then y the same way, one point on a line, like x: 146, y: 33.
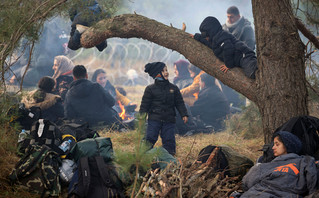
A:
x: 288, y: 175
x: 159, y: 102
x: 226, y: 47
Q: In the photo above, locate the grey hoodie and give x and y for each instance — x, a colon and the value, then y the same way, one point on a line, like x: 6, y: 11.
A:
x: 287, y: 175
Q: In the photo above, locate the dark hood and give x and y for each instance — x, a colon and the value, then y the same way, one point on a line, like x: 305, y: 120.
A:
x: 211, y: 26
x: 81, y: 88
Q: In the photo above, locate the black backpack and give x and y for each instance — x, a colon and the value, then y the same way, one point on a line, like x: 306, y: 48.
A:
x: 95, y: 178
x: 306, y: 129
x: 45, y: 132
x: 25, y: 117
x: 78, y: 131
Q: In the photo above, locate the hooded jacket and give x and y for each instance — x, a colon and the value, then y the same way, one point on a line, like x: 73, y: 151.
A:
x: 288, y: 175
x: 89, y: 101
x: 50, y: 105
x: 160, y: 100
x: 243, y: 31
x: 224, y: 45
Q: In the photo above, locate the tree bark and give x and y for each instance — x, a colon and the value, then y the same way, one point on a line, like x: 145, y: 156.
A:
x: 281, y: 81
x: 280, y: 88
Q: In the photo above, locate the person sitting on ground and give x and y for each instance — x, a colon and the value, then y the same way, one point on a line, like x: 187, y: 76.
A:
x: 190, y: 92
x: 226, y: 47
x: 49, y: 103
x: 288, y: 175
x: 99, y: 76
x: 182, y: 77
x: 62, y: 67
x: 240, y: 27
x: 212, y: 105
x: 159, y: 102
x: 88, y: 101
x: 85, y: 14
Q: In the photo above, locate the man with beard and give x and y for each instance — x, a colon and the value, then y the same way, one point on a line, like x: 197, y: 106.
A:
x: 240, y: 27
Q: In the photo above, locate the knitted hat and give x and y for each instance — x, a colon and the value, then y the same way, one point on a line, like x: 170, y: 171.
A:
x: 154, y: 68
x: 291, y: 142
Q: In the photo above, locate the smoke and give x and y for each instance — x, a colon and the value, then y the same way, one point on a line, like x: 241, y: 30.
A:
x: 191, y: 12
x: 122, y: 55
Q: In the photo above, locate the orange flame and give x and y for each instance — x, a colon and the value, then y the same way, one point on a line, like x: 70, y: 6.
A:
x: 196, y: 96
x: 122, y: 114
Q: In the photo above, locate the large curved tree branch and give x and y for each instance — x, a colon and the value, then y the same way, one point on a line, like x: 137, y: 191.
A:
x: 137, y: 26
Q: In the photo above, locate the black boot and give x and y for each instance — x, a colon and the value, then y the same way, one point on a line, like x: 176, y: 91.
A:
x: 75, y: 41
x: 101, y: 46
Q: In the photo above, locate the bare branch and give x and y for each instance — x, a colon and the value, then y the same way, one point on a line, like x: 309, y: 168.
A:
x: 307, y: 33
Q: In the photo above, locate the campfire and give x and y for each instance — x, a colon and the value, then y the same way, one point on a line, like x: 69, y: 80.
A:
x: 126, y: 116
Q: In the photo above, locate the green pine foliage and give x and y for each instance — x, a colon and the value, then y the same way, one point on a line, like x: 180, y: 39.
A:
x: 134, y: 164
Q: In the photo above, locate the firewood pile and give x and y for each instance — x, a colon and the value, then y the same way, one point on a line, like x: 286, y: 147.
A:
x: 192, y: 180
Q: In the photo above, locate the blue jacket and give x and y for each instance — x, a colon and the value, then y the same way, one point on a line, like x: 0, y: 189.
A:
x: 287, y: 175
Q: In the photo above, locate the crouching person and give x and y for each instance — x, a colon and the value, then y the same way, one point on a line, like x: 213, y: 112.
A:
x: 226, y: 47
x: 288, y: 175
x: 159, y: 102
x: 49, y: 103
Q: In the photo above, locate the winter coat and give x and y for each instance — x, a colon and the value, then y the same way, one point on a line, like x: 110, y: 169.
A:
x: 63, y: 84
x: 287, y: 175
x: 211, y: 107
x: 227, y: 48
x: 90, y: 102
x: 243, y: 31
x: 116, y: 94
x: 50, y: 105
x: 160, y: 100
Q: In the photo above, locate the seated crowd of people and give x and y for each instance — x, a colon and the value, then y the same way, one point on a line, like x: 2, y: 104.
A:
x: 71, y: 95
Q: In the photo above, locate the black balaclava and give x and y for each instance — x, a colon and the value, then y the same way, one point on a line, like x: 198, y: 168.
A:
x: 210, y: 26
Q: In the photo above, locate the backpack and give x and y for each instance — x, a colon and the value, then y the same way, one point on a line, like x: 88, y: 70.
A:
x: 95, y: 178
x: 23, y: 116
x: 43, y: 132
x: 78, y: 131
x: 38, y: 171
x: 228, y: 159
x: 306, y: 129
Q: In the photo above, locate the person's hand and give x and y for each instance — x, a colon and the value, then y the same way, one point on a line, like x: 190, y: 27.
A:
x: 185, y: 119
x: 191, y: 35
x: 223, y: 68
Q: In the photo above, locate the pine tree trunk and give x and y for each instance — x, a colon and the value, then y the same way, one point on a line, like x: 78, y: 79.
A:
x: 281, y: 84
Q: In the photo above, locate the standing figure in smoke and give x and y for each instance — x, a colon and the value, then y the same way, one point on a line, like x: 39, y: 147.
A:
x: 62, y: 67
x: 240, y: 27
x: 182, y: 77
x: 159, y: 102
x: 49, y: 103
x: 226, y: 47
x: 212, y: 105
x: 83, y: 15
